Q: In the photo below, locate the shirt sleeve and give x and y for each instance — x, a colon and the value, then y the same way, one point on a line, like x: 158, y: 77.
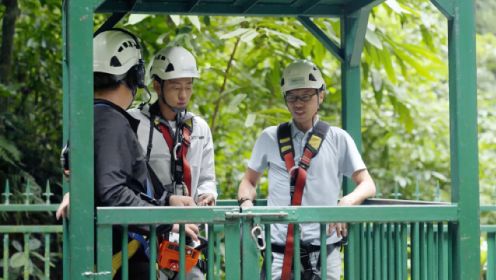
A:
x: 206, y: 181
x: 350, y: 159
x: 258, y: 160
x: 114, y: 164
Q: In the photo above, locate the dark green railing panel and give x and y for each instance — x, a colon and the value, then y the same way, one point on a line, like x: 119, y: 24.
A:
x: 491, y: 256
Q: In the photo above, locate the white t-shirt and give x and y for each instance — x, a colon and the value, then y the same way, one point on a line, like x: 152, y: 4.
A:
x: 337, y: 156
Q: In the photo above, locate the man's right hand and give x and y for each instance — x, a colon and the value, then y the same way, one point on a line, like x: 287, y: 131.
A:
x: 191, y: 230
x: 181, y: 200
x: 246, y: 204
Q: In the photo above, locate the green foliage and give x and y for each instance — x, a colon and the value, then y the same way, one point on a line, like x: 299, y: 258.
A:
x: 405, y: 120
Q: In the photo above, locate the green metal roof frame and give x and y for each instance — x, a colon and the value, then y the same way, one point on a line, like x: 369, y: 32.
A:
x: 78, y: 103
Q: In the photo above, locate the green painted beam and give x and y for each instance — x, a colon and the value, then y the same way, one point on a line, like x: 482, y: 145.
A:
x: 330, y: 45
x: 357, y: 5
x: 28, y: 207
x: 31, y: 229
x: 488, y: 228
x: 220, y: 8
x: 463, y: 138
x: 79, y: 55
x: 353, y: 29
x: 157, y: 215
x: 446, y: 7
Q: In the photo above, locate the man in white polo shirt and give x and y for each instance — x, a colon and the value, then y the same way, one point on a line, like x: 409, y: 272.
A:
x: 321, y: 167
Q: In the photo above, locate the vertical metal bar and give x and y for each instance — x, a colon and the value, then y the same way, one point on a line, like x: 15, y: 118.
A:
x: 362, y: 255
x: 210, y: 251
x: 296, y: 253
x: 250, y: 252
x: 268, y: 253
x: 232, y: 244
x: 430, y: 251
x: 463, y: 138
x: 390, y: 238
x: 398, y: 253
x: 441, y: 257
x: 423, y: 252
x: 47, y: 256
x: 353, y: 29
x: 104, y: 251
x: 124, y: 240
x: 323, y: 251
x: 491, y: 256
x: 26, y: 255
x: 370, y: 247
x: 384, y: 256
x: 79, y: 50
x: 451, y: 247
x: 404, y: 250
x: 6, y: 244
x: 65, y: 135
x: 153, y: 251
x: 182, y: 252
x: 377, y: 251
x: 218, y: 256
x: 415, y: 251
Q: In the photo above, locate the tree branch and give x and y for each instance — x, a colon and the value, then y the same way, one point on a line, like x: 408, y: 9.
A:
x: 223, y: 87
x: 8, y: 31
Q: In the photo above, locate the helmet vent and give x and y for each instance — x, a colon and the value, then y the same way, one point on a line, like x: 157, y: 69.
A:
x: 114, y: 61
x: 120, y: 49
x: 125, y: 44
x: 169, y: 68
x: 282, y: 82
x: 311, y: 77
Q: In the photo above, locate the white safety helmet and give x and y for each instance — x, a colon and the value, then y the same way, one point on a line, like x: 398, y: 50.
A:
x: 115, y: 52
x: 301, y: 74
x: 173, y: 63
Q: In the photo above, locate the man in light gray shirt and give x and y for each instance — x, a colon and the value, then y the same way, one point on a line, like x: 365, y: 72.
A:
x: 304, y: 90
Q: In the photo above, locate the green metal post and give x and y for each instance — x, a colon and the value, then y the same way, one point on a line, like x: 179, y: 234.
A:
x: 415, y: 251
x: 47, y: 255
x: 430, y: 251
x: 323, y: 251
x: 65, y: 135
x: 384, y: 256
x: 79, y: 55
x: 182, y: 252
x: 249, y: 251
x: 153, y: 250
x: 463, y: 138
x: 233, y: 255
x: 377, y: 251
x: 353, y: 29
x: 210, y: 251
x: 268, y: 253
x: 125, y: 253
x: 296, y: 253
x: 104, y: 254
x: 6, y: 243
x: 26, y: 255
x: 491, y: 258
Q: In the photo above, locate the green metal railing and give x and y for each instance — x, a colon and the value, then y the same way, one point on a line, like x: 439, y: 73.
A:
x: 489, y: 233
x: 29, y: 204
x: 396, y: 242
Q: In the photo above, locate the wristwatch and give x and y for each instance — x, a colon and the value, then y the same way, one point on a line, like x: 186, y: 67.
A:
x: 243, y: 199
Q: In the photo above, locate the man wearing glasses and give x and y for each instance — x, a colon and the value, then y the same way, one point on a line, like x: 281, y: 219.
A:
x: 306, y: 160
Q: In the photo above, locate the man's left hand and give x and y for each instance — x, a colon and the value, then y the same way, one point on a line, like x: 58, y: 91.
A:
x: 181, y: 200
x: 206, y: 199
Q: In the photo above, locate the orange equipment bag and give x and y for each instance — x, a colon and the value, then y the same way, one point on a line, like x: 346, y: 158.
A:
x: 168, y: 256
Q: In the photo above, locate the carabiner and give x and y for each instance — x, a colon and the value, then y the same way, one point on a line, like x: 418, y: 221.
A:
x: 174, y: 151
x: 256, y: 234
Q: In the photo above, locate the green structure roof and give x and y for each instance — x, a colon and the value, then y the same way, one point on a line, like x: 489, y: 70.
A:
x: 238, y: 7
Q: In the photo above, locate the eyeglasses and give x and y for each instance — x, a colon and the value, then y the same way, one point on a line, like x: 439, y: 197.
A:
x: 291, y: 98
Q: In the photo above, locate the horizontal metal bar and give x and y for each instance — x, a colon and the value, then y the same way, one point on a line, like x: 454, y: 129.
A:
x: 234, y: 215
x: 203, y: 8
x: 302, y: 214
x: 310, y: 214
x: 28, y: 207
x: 31, y: 229
x: 488, y: 228
x: 161, y: 215
x: 233, y: 202
x: 383, y: 201
x: 487, y: 208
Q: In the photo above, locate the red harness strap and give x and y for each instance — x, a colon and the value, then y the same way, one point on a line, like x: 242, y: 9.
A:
x: 298, y: 178
x: 181, y: 152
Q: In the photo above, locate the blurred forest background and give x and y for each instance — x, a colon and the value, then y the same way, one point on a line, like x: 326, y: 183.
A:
x: 405, y: 121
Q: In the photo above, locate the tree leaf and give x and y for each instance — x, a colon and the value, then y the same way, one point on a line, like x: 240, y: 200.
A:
x: 373, y: 39
x: 233, y: 105
x: 234, y: 33
x: 17, y: 245
x: 18, y: 259
x: 34, y: 244
x: 175, y: 19
x: 136, y: 18
x: 195, y: 21
x: 250, y: 120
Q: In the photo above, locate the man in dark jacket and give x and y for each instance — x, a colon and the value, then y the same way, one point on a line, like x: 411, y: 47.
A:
x: 121, y: 174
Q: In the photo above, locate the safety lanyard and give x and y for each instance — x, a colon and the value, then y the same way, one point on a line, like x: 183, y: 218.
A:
x: 298, y: 175
x: 178, y: 148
